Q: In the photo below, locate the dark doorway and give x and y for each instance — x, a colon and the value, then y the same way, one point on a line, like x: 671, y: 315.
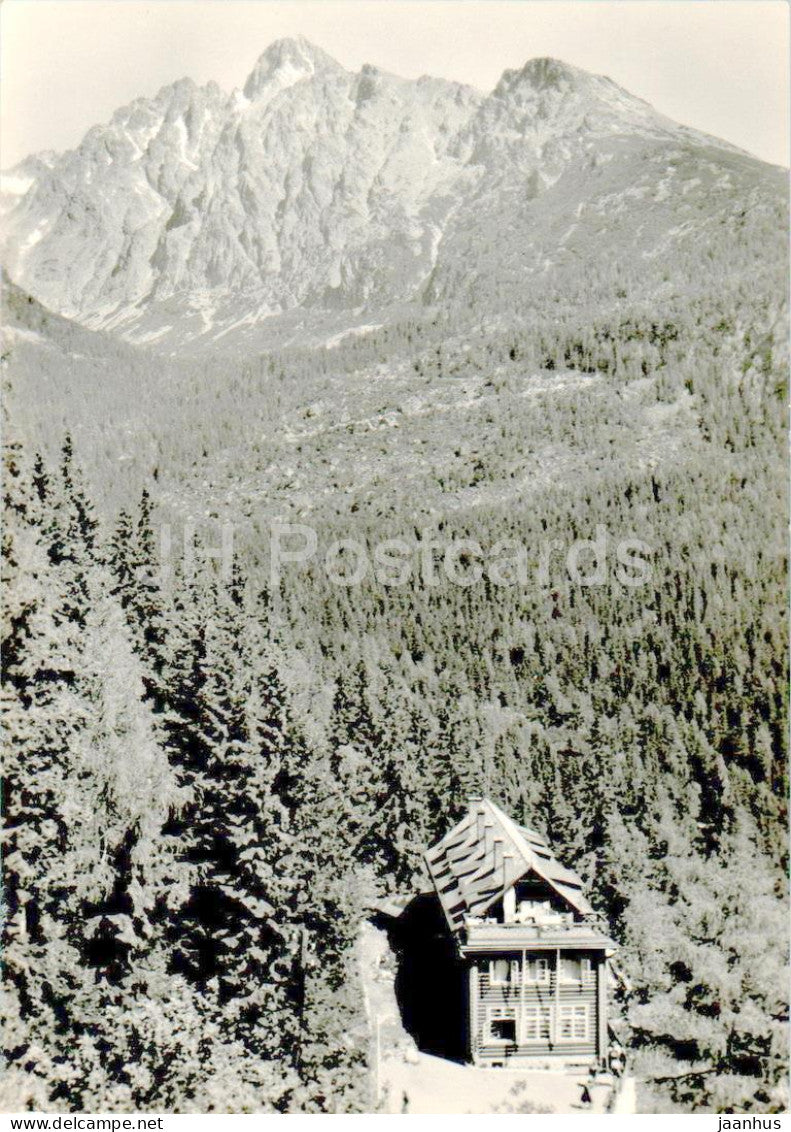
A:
x: 430, y: 982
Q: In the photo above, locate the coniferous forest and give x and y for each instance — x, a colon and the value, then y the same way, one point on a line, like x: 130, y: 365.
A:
x: 211, y: 778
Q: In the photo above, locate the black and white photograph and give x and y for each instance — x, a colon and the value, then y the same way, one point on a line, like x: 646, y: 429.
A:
x: 395, y: 559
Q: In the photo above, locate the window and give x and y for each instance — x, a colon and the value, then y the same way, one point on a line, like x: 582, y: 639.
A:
x: 535, y: 1023
x: 570, y: 969
x: 501, y: 1025
x: 573, y: 1022
x: 576, y: 969
x: 503, y: 972
x: 508, y: 972
x: 537, y: 971
x: 503, y: 1030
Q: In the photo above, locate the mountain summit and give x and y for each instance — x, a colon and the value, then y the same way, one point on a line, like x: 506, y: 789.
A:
x: 540, y: 74
x: 202, y: 214
x: 285, y: 62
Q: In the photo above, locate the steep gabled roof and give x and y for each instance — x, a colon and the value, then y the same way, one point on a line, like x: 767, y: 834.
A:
x: 484, y: 855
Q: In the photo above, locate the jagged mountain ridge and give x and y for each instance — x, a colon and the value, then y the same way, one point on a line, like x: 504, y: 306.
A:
x: 201, y: 215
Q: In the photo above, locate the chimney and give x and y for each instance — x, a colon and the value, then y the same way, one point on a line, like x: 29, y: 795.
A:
x: 480, y: 819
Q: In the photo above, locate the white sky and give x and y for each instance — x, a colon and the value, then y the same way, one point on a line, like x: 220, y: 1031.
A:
x: 719, y: 65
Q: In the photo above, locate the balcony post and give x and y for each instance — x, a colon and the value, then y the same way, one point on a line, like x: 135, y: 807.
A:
x: 555, y: 1028
x: 473, y: 1012
x: 601, y: 1009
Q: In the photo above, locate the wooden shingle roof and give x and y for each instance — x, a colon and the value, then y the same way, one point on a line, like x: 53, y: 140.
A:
x: 484, y: 855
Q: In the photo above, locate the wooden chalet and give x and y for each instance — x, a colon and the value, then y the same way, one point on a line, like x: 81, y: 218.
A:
x: 534, y: 953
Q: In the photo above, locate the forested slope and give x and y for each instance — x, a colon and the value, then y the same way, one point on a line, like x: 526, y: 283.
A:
x: 208, y: 782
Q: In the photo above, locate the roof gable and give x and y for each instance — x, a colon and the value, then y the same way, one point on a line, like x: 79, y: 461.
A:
x: 484, y: 855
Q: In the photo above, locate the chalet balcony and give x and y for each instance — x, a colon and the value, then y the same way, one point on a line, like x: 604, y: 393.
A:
x: 590, y: 930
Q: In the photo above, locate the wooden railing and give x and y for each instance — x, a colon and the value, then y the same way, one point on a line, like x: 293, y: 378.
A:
x: 593, y: 922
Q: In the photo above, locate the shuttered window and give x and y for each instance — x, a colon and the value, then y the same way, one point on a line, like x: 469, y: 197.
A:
x: 536, y: 1022
x: 573, y: 1022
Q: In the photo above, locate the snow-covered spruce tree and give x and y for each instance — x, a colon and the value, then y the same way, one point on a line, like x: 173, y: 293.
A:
x: 37, y: 669
x: 356, y: 731
x: 328, y: 890
x: 146, y: 597
x: 121, y: 557
x: 709, y: 1014
x: 164, y: 1027
x: 49, y: 792
x: 229, y: 935
x: 412, y: 773
x: 44, y: 716
x: 71, y: 527
x: 90, y: 1012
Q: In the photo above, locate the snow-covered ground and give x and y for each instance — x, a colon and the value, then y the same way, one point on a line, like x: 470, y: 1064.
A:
x: 434, y: 1085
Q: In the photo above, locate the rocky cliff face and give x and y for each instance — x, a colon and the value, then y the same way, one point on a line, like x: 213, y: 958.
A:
x: 199, y: 213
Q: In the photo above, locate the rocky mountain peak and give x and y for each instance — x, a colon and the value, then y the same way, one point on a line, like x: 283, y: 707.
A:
x: 285, y: 62
x: 540, y: 74
x: 552, y: 94
x: 194, y: 212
